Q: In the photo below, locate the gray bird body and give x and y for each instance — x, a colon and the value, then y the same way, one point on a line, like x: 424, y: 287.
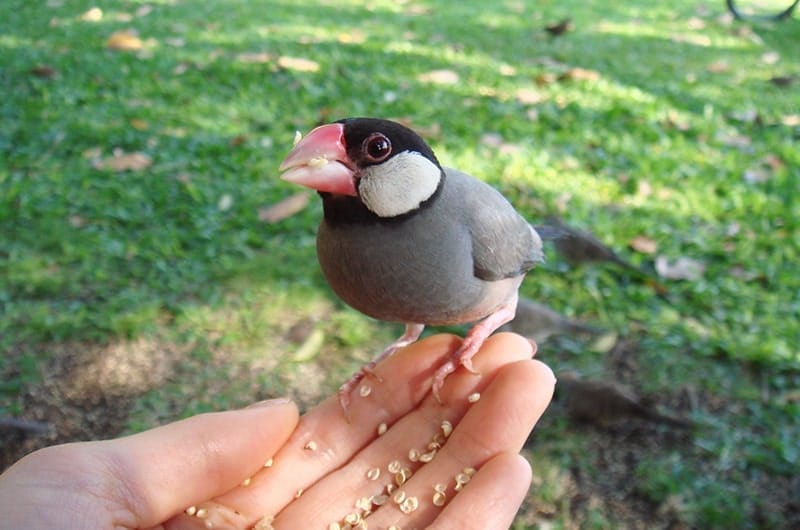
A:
x: 455, y: 259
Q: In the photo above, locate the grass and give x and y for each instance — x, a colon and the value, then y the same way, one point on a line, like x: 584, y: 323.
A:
x: 672, y: 131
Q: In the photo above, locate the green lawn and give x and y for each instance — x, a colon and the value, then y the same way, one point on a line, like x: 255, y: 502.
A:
x: 132, y: 183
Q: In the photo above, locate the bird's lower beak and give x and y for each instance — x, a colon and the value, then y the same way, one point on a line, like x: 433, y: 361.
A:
x: 319, y: 161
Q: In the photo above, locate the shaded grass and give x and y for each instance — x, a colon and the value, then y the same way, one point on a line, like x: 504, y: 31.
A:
x: 649, y: 147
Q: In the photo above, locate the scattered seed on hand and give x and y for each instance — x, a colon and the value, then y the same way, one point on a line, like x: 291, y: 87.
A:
x: 365, y: 390
x: 409, y: 505
x: 373, y: 473
x: 439, y: 498
x: 382, y: 429
x: 246, y: 482
x: 191, y: 510
x: 311, y: 446
x: 201, y: 513
x: 447, y: 428
x: 474, y: 397
x: 394, y: 466
x: 268, y: 463
x: 413, y: 455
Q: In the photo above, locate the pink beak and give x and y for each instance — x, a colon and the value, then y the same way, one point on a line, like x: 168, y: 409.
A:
x: 319, y: 161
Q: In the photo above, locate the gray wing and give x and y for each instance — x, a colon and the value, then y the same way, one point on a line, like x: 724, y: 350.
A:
x: 504, y: 244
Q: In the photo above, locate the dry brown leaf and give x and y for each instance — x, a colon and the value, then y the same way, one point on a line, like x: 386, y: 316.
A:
x: 530, y: 96
x: 579, y: 74
x: 285, y: 208
x: 695, y: 23
x: 139, y: 124
x: 545, y: 78
x: 643, y: 244
x: 124, y: 40
x: 298, y: 64
x: 95, y: 14
x: 770, y: 57
x: 255, y: 57
x: 507, y: 70
x: 122, y: 161
x: 682, y: 268
x: 45, y: 71
x: 718, y: 67
x: 791, y: 120
x: 439, y: 77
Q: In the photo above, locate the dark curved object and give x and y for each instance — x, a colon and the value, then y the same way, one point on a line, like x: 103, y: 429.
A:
x: 782, y: 15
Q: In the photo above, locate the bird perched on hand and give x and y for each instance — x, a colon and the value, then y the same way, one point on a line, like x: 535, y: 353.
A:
x: 604, y: 403
x: 404, y: 239
x: 578, y: 246
x: 538, y: 322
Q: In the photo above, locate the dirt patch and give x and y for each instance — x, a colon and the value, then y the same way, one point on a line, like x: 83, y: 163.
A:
x: 86, y: 391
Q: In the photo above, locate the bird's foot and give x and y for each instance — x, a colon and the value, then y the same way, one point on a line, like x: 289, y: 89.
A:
x: 346, y: 390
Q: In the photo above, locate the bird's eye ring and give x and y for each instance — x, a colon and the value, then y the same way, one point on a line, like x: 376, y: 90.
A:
x: 377, y: 147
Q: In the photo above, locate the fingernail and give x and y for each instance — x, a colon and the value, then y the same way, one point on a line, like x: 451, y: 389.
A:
x: 270, y: 402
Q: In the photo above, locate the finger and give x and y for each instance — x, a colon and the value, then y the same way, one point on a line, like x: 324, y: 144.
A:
x: 335, y: 496
x: 491, y: 499
x: 162, y: 471
x: 500, y: 422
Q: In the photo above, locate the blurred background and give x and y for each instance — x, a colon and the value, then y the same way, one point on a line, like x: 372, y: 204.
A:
x: 153, y: 266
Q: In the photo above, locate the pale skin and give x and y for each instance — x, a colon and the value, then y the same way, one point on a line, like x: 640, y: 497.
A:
x: 149, y: 479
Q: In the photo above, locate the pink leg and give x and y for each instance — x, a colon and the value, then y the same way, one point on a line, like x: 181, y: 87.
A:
x: 410, y: 335
x: 472, y: 343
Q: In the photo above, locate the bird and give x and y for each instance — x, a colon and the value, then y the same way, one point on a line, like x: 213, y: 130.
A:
x: 578, y: 246
x: 556, y: 29
x: 604, y: 403
x: 538, y: 322
x: 404, y: 239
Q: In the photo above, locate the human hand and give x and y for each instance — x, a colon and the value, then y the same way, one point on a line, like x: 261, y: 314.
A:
x: 321, y: 465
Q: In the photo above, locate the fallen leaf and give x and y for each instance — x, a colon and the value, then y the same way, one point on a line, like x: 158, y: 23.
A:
x: 529, y: 96
x: 298, y: 64
x: 351, y: 37
x: 770, y: 57
x: 76, y: 221
x: 95, y: 14
x: 139, y: 124
x: 122, y: 161
x: 124, y: 40
x: 285, y: 208
x: 236, y: 141
x: 439, y: 77
x: 310, y: 347
x: 739, y: 141
x: 225, y: 202
x: 718, y: 67
x: 604, y: 343
x: 755, y: 175
x: 579, y: 74
x: 695, y: 23
x: 144, y: 10
x: 791, y: 120
x: 643, y: 244
x: 492, y: 140
x: 45, y: 71
x: 181, y: 68
x: 750, y: 115
x: 256, y: 57
x: 682, y: 268
x: 773, y: 161
x: 92, y: 152
x: 175, y: 42
x: 507, y: 70
x: 545, y: 78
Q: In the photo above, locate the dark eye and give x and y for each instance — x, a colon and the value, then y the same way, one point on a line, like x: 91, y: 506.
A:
x: 377, y: 147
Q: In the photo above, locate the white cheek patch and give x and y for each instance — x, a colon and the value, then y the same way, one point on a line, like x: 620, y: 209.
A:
x: 398, y: 185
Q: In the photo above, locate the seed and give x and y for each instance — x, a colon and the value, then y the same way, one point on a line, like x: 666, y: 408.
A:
x: 474, y: 397
x: 297, y: 137
x: 364, y: 504
x: 362, y: 525
x: 409, y: 505
x: 469, y: 471
x: 365, y: 390
x: 311, y: 446
x: 246, y: 482
x: 394, y: 527
x: 447, y: 428
x: 413, y: 455
x: 434, y: 446
x: 381, y: 429
x: 318, y: 161
x: 390, y: 488
x: 191, y: 510
x: 209, y: 524
x: 440, y: 488
x: 299, y: 492
x: 264, y: 524
x: 439, y: 439
x: 439, y: 498
x: 201, y: 513
x: 427, y: 457
x: 402, y: 476
x: 268, y: 463
x: 379, y: 500
x: 373, y: 473
x: 334, y: 526
x: 352, y: 518
x: 394, y: 466
x: 399, y: 496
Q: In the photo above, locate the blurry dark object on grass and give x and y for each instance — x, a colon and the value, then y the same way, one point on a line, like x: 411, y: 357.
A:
x: 759, y: 10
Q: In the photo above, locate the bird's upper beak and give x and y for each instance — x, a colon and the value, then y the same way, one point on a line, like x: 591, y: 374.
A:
x: 319, y: 161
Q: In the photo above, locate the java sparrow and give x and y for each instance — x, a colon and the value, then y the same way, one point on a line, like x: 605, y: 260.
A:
x: 579, y: 246
x: 404, y: 239
x: 538, y: 322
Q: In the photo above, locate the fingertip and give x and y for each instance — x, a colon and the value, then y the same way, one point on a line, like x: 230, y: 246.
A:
x: 514, y: 341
